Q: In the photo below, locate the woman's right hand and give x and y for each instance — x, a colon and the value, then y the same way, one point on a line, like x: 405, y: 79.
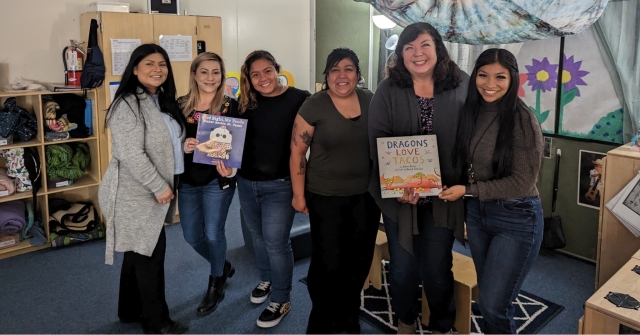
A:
x: 165, y: 197
x: 300, y: 205
x: 409, y: 197
x: 190, y: 145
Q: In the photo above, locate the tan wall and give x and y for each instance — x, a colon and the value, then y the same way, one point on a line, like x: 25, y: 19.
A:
x: 34, y: 32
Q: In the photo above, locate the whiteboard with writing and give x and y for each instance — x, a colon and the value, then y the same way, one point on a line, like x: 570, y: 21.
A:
x: 121, y: 50
x: 179, y: 48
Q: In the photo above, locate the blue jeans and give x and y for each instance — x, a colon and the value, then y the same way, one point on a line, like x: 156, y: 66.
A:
x: 504, y: 238
x: 267, y: 211
x: 431, y: 264
x: 203, y: 214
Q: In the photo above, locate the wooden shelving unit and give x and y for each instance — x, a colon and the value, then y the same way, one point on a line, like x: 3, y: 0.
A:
x: 84, y: 188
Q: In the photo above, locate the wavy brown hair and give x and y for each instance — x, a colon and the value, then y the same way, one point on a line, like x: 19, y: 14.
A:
x: 445, y: 73
x: 193, y: 97
x: 248, y: 94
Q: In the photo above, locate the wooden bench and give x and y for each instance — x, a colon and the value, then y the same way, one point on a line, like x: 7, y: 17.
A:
x: 465, y: 289
x: 380, y: 252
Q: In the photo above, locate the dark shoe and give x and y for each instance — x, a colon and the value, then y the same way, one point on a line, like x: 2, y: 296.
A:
x: 130, y: 319
x: 173, y: 328
x: 215, y: 294
x: 228, y: 271
x: 404, y: 328
x: 261, y: 292
x: 273, y: 314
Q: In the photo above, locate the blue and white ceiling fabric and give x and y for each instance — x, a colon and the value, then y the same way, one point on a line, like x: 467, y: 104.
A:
x: 495, y: 21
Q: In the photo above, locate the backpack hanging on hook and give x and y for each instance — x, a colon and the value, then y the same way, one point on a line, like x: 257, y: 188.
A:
x: 94, y: 69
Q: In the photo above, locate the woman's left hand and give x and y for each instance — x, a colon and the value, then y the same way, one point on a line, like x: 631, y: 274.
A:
x: 223, y: 170
x: 452, y: 193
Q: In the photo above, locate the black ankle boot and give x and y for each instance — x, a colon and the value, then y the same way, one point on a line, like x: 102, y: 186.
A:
x: 215, y: 294
x: 228, y: 271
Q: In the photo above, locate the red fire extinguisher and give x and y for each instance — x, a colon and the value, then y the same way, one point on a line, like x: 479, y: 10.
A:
x: 72, y: 58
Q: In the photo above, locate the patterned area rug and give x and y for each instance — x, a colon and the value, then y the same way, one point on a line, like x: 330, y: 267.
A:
x: 532, y: 312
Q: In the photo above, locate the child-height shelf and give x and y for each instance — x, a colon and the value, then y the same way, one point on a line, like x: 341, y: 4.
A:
x: 83, y: 189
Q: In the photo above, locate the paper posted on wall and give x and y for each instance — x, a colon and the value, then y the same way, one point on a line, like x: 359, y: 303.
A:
x: 626, y: 206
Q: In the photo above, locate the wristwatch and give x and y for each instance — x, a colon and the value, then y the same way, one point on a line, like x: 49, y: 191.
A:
x: 467, y: 191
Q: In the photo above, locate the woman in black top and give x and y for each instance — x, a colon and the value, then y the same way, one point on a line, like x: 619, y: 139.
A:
x: 205, y: 191
x: 264, y: 185
x: 332, y: 188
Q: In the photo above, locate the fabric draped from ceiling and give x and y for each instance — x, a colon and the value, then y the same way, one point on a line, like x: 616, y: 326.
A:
x: 495, y: 21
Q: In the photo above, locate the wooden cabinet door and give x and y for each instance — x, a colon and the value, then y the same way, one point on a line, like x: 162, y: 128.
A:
x: 112, y: 26
x: 177, y: 25
x: 210, y: 31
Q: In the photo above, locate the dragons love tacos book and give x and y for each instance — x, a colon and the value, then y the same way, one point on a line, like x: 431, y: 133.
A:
x: 409, y: 161
x: 221, y: 138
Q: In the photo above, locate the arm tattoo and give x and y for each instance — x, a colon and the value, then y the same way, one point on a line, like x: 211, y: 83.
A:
x: 293, y: 134
x: 306, y: 138
x: 303, y: 164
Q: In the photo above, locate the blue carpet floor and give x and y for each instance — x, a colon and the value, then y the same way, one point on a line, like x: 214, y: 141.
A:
x: 71, y: 290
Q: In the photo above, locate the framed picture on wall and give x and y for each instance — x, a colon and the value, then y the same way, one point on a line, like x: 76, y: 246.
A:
x: 547, y: 147
x: 590, y: 178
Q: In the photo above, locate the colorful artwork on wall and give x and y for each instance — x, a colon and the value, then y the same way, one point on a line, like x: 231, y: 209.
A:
x: 588, y: 106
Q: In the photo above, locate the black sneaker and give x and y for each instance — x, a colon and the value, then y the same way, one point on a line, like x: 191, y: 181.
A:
x: 261, y: 292
x: 273, y: 314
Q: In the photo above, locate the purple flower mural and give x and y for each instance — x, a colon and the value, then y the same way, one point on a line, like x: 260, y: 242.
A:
x: 572, y: 75
x: 542, y: 75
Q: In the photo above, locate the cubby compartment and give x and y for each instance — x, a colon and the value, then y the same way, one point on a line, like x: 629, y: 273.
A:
x: 84, y: 188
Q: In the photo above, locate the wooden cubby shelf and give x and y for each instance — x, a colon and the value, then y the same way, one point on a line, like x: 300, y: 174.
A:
x: 85, y: 188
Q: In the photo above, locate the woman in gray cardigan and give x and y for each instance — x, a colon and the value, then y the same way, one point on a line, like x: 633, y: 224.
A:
x: 422, y: 95
x: 136, y: 194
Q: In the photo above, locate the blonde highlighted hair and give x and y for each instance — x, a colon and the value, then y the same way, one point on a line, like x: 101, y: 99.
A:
x: 248, y: 94
x: 193, y: 97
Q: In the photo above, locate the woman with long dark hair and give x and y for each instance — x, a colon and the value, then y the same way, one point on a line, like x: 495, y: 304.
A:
x: 264, y: 184
x: 136, y: 194
x: 500, y: 144
x: 331, y: 186
x: 206, y: 191
x: 422, y: 95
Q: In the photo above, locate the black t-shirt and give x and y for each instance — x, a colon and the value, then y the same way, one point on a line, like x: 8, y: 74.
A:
x: 266, y: 146
x: 196, y: 174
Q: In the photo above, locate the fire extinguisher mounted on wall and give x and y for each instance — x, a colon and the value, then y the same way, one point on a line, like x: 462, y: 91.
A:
x: 72, y: 58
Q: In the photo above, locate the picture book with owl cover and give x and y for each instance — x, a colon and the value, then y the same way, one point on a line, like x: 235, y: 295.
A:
x: 221, y: 138
x: 409, y: 161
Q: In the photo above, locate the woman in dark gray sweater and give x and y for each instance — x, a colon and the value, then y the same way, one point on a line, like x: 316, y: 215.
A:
x: 500, y: 143
x: 423, y: 95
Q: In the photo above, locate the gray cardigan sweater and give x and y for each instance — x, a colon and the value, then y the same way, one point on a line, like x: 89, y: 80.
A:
x: 394, y: 111
x: 141, y: 168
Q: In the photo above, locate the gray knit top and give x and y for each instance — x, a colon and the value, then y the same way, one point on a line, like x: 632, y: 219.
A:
x: 527, y: 155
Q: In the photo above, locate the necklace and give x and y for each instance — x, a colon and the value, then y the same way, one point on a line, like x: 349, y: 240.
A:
x: 470, y: 171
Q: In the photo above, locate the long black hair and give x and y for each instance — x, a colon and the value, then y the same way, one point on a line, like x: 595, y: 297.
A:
x: 507, y: 106
x: 445, y: 73
x: 335, y: 57
x: 130, y: 85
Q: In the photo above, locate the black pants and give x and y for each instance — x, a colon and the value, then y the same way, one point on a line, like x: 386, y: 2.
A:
x: 142, y: 288
x: 431, y: 264
x: 343, y: 232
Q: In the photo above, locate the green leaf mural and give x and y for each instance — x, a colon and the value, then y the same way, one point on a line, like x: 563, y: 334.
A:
x: 609, y: 128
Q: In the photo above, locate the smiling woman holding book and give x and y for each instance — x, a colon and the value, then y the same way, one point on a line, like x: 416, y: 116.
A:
x: 206, y: 191
x: 422, y: 95
x: 500, y: 143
